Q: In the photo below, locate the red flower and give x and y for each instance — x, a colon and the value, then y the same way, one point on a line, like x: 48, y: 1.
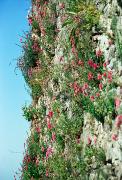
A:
x: 49, y: 125
x: 89, y: 140
x: 92, y: 98
x: 80, y: 63
x: 104, y: 64
x: 114, y: 137
x: 109, y: 76
x: 99, y: 53
x: 104, y: 74
x: 118, y: 121
x: 48, y: 152
x: 90, y: 76
x: 38, y: 129
x: 117, y: 102
x: 95, y: 66
x: 37, y: 162
x: 99, y: 76
x: 76, y: 88
x: 50, y: 114
x: 95, y: 139
x: 30, y: 21
x: 42, y: 148
x: 75, y: 85
x: 97, y: 94
x: 47, y: 173
x: 61, y: 5
x: 100, y: 86
x: 85, y: 86
x: 73, y: 49
x: 90, y: 62
x: 53, y: 136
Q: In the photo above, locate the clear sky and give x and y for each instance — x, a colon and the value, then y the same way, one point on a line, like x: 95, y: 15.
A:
x: 13, y: 95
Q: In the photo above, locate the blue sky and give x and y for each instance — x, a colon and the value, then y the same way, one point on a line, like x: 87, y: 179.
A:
x: 13, y: 95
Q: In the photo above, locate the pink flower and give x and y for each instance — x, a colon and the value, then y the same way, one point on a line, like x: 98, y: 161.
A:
x: 104, y: 64
x: 92, y: 98
x: 117, y: 102
x: 89, y: 140
x: 80, y: 63
x: 97, y: 94
x: 100, y: 86
x: 49, y: 125
x: 76, y: 88
x: 47, y: 173
x: 109, y: 76
x: 99, y: 53
x: 90, y: 76
x: 90, y: 62
x: 53, y: 136
x: 50, y: 114
x: 118, y: 121
x: 99, y: 76
x: 95, y: 66
x: 75, y: 85
x: 85, y: 86
x: 61, y: 5
x: 38, y: 129
x: 95, y: 139
x: 37, y: 162
x: 42, y: 148
x: 30, y: 21
x: 114, y: 137
x: 48, y: 152
x: 104, y: 74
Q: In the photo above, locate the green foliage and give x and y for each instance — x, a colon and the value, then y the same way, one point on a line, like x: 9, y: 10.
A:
x: 29, y: 57
x: 104, y: 107
x: 35, y: 26
x: 36, y: 90
x: 114, y: 23
x: 82, y: 17
x: 29, y: 112
x: 119, y: 44
x: 80, y: 84
x: 94, y: 156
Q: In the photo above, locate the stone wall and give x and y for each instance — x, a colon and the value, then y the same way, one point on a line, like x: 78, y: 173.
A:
x: 103, y: 135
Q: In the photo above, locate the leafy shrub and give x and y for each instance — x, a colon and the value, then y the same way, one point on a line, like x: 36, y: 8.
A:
x: 36, y: 90
x: 29, y: 112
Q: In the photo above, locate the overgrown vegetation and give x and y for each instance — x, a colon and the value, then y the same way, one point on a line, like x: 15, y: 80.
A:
x: 77, y: 82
